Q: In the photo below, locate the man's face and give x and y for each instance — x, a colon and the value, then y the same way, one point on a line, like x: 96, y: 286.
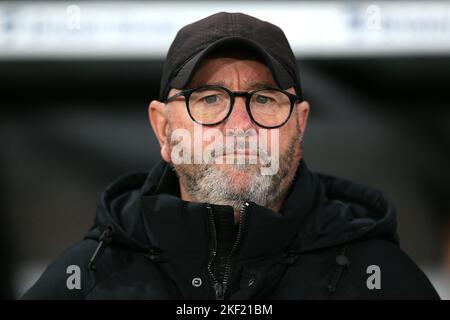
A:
x: 225, y: 182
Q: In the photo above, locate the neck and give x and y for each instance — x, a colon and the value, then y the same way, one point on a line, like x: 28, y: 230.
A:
x: 187, y: 197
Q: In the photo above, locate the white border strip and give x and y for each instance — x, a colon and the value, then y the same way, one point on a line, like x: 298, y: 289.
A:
x: 145, y: 30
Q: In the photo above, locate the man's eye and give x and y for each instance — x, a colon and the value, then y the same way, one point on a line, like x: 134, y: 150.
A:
x: 262, y: 99
x: 210, y: 99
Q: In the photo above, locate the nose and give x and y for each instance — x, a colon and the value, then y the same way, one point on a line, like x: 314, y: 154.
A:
x: 239, y: 117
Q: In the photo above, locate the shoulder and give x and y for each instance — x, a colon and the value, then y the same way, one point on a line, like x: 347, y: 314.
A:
x: 69, y: 276
x: 381, y: 269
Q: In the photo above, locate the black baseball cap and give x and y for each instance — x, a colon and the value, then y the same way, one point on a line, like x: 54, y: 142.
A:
x: 197, y: 40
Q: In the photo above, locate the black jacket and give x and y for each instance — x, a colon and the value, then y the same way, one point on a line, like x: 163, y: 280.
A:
x: 149, y: 244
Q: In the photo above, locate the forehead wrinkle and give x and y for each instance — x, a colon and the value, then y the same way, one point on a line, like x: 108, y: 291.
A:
x: 236, y: 69
x: 249, y: 85
x: 245, y: 83
x: 259, y: 84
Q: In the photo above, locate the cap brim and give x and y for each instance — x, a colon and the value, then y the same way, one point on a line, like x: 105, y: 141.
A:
x: 185, y: 74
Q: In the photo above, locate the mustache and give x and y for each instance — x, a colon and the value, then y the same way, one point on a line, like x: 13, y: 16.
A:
x: 242, y: 149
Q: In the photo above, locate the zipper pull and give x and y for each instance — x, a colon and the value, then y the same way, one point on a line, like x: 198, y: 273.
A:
x: 244, y: 206
x: 220, y: 290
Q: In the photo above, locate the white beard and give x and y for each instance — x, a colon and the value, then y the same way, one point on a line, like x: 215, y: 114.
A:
x: 211, y: 183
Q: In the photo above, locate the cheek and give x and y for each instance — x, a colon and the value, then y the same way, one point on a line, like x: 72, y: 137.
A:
x: 180, y: 131
x: 283, y: 138
x: 179, y: 118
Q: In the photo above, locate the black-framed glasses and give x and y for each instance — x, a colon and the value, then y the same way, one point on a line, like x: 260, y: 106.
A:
x: 210, y: 105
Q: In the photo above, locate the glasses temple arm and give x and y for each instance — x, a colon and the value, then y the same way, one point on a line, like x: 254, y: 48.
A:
x: 179, y: 94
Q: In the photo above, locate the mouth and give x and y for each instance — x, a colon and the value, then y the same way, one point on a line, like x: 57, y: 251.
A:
x: 242, y: 156
x: 241, y: 152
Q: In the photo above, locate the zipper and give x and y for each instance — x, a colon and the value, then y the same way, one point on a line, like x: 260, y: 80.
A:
x: 212, y: 254
x: 237, y: 242
x: 221, y: 288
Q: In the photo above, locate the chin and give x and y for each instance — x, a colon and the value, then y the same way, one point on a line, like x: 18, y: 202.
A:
x: 242, y: 176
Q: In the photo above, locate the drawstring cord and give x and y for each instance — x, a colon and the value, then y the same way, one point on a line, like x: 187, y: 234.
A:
x: 343, y: 262
x: 105, y: 237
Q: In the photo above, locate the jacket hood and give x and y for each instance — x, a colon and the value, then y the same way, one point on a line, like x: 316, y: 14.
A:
x: 320, y: 211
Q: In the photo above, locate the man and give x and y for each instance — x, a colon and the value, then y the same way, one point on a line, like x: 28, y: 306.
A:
x: 232, y: 211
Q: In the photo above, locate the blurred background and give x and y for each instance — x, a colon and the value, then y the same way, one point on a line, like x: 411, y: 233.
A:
x: 76, y: 79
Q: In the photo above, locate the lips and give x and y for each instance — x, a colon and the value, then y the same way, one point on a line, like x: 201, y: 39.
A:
x: 241, y: 152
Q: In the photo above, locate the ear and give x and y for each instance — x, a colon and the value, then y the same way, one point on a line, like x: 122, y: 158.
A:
x: 159, y: 120
x: 303, y: 113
